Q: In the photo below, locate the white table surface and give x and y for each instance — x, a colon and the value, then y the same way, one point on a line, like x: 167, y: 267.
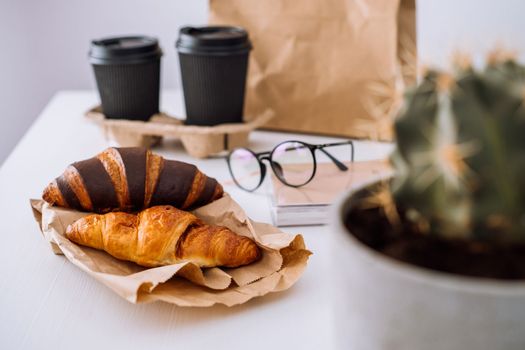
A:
x: 46, y: 302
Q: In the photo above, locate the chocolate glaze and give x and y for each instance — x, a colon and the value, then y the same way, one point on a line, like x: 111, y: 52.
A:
x: 174, y: 183
x: 67, y: 193
x: 98, y: 184
x: 207, y: 193
x: 134, y: 160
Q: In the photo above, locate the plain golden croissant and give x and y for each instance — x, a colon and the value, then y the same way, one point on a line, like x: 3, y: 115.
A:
x: 163, y: 235
x: 130, y: 179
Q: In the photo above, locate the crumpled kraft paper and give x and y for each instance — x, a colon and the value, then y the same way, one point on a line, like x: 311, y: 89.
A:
x: 336, y: 67
x: 283, y: 261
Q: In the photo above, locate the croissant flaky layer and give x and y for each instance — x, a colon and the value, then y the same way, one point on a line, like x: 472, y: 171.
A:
x: 163, y: 235
x: 130, y: 179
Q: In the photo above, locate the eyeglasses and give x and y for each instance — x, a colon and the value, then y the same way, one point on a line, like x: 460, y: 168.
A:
x: 294, y: 163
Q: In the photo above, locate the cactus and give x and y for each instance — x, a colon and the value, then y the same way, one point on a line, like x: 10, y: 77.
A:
x: 460, y: 155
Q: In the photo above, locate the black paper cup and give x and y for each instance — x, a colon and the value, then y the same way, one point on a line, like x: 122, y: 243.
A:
x: 127, y: 72
x: 213, y: 65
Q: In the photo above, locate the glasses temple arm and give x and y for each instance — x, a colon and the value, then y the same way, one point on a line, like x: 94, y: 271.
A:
x: 351, y: 143
x: 336, y: 161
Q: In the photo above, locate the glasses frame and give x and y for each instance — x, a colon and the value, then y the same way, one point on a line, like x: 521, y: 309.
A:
x: 261, y: 156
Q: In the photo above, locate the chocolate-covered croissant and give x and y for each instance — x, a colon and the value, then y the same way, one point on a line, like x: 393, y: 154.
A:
x: 130, y: 179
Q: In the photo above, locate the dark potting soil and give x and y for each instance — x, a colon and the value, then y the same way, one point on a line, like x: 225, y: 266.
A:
x: 468, y: 258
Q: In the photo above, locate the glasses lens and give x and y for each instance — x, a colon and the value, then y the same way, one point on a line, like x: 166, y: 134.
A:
x: 245, y: 169
x: 293, y: 162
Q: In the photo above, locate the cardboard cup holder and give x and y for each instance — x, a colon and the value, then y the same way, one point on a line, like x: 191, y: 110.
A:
x: 198, y: 141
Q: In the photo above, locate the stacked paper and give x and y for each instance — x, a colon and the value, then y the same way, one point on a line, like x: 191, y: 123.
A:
x: 310, y: 204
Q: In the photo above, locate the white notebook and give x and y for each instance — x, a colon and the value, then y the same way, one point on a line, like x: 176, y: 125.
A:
x: 310, y: 204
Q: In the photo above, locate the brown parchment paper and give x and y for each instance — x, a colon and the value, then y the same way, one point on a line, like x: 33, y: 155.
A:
x: 334, y: 67
x: 284, y: 260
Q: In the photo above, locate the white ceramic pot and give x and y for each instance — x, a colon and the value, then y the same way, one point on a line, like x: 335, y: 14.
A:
x: 380, y: 303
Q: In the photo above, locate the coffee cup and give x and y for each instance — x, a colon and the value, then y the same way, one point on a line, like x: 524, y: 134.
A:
x: 213, y: 64
x: 127, y: 73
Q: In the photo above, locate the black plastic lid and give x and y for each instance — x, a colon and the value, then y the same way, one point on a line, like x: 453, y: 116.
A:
x: 213, y: 40
x: 126, y: 49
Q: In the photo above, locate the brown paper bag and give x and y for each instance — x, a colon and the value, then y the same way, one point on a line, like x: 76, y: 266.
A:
x: 334, y: 67
x: 283, y: 261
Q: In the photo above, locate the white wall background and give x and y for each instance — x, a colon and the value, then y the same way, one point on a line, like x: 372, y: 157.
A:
x: 44, y: 44
x: 474, y: 26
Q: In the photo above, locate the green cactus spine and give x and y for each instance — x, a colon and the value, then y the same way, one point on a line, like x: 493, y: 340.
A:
x: 460, y: 156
